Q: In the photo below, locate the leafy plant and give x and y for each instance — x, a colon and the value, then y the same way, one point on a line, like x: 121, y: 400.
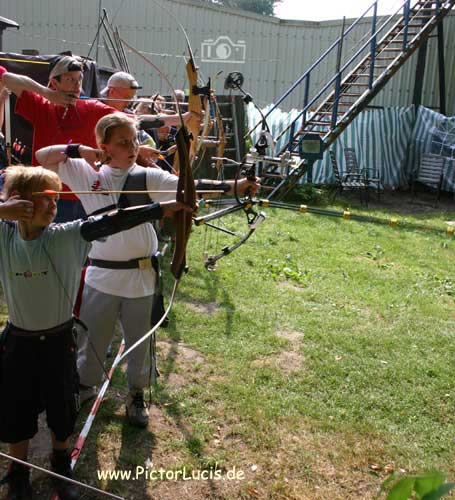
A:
x: 428, y: 486
x: 376, y: 254
x: 286, y: 269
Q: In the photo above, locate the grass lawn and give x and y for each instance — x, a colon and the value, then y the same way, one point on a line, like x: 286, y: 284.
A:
x: 315, y: 360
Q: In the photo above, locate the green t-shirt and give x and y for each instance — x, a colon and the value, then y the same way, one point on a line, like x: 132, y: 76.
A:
x: 40, y: 278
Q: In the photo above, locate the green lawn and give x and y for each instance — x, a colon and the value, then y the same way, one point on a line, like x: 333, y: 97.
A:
x: 318, y: 358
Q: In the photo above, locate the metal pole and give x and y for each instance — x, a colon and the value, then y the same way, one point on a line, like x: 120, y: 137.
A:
x: 338, y: 79
x: 98, y: 34
x: 420, y: 72
x: 442, y: 72
x: 406, y: 23
x: 305, y: 98
x: 373, y: 46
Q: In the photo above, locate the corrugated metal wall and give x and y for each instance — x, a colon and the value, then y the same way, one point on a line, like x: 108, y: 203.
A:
x: 276, y: 51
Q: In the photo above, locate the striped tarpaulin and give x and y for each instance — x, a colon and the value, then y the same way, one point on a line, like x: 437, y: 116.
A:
x: 389, y: 140
x: 433, y: 133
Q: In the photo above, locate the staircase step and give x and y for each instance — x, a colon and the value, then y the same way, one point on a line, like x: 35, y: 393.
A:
x: 344, y: 104
x: 348, y: 94
x: 319, y: 123
x: 356, y: 84
x: 400, y: 28
x: 397, y: 41
x: 328, y: 113
x: 413, y: 25
x: 305, y: 131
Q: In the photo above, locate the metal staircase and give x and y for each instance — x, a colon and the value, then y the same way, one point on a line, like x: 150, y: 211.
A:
x: 355, y: 82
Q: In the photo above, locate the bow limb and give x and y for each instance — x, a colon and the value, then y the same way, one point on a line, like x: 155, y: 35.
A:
x: 155, y: 67
x: 254, y: 219
x: 194, y: 106
x: 186, y: 194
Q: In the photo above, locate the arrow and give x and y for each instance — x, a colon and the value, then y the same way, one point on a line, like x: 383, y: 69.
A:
x: 51, y: 192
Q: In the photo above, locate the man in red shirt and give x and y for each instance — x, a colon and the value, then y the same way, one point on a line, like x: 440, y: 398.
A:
x: 55, y: 111
x: 57, y: 115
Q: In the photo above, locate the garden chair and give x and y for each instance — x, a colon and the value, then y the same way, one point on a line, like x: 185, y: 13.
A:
x: 370, y: 175
x: 430, y: 173
x: 347, y: 181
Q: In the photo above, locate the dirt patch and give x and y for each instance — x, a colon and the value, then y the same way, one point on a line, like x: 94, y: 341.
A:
x: 198, y: 307
x: 293, y: 336
x: 179, y: 364
x: 287, y: 285
x: 287, y: 361
x: 40, y: 445
x: 307, y: 465
x: 177, y: 380
x: 404, y: 203
x: 180, y: 352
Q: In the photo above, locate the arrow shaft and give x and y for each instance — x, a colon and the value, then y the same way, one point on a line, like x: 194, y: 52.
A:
x: 48, y: 193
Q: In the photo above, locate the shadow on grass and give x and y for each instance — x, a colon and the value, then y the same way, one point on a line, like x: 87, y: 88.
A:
x: 215, y: 292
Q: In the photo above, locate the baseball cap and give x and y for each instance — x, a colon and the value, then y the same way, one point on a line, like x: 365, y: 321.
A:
x: 120, y: 80
x: 63, y: 65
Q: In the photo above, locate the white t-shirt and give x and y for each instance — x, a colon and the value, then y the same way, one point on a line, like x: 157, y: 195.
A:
x: 140, y: 241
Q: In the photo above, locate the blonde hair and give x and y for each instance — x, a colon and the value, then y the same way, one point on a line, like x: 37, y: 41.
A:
x: 26, y: 180
x: 106, y: 126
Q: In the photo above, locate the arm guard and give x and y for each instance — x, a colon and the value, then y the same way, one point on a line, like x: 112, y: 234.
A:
x: 148, y: 124
x: 121, y: 220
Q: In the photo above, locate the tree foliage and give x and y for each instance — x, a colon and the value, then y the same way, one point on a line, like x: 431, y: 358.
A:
x: 264, y: 7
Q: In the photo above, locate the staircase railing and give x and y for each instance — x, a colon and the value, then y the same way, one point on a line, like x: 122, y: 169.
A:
x: 306, y: 76
x: 369, y: 51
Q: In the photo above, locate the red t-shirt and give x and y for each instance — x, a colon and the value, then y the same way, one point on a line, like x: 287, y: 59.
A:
x: 54, y: 124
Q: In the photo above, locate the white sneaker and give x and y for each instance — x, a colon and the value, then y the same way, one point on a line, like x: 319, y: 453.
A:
x: 137, y: 412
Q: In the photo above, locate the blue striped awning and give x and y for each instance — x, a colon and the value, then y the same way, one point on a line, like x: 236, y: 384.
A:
x: 389, y: 140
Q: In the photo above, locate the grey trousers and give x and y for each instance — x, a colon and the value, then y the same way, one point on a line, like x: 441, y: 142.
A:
x: 99, y: 312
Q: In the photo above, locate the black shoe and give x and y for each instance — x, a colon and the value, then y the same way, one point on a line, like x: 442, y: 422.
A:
x: 18, y: 479
x: 61, y: 464
x: 137, y: 412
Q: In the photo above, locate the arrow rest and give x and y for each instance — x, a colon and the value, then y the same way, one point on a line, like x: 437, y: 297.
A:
x: 202, y: 90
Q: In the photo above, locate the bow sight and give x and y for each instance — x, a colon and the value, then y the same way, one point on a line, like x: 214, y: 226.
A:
x: 234, y: 81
